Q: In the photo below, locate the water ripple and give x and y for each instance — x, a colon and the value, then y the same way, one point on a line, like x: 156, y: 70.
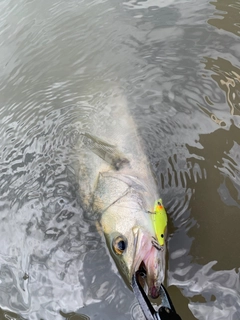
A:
x: 180, y: 73
x: 204, y: 281
x: 226, y: 16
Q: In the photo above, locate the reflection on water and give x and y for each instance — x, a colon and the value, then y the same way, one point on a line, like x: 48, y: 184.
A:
x: 228, y: 16
x: 222, y: 168
x: 181, y: 78
x: 227, y: 77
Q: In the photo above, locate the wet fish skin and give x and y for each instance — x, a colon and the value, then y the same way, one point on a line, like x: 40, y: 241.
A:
x: 117, y: 182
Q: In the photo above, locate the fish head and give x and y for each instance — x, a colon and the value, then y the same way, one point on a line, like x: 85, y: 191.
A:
x: 131, y: 240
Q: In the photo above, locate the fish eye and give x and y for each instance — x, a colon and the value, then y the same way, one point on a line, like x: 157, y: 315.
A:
x: 119, y: 244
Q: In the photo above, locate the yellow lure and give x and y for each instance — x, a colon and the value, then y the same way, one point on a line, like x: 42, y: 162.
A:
x: 159, y: 219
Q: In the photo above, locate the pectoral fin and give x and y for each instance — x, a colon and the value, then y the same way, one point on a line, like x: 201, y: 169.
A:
x: 105, y: 151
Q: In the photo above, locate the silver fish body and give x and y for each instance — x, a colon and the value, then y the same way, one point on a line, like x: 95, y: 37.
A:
x: 116, y: 181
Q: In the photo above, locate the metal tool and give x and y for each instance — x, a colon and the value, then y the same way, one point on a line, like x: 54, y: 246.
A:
x: 166, y: 310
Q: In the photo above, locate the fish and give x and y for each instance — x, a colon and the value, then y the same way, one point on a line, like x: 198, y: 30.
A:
x: 118, y: 185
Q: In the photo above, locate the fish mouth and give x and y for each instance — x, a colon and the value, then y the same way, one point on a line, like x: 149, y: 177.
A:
x: 150, y: 263
x: 151, y: 270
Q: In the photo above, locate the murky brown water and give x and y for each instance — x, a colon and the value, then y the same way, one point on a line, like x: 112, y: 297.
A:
x: 178, y: 64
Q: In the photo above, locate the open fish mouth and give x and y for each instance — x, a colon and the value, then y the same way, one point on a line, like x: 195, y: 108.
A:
x: 151, y: 267
x: 153, y: 291
x: 150, y: 262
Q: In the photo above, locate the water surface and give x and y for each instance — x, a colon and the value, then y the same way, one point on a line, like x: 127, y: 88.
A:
x: 177, y: 62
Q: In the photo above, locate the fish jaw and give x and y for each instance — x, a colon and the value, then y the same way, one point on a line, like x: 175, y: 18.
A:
x: 152, y: 259
x: 154, y: 263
